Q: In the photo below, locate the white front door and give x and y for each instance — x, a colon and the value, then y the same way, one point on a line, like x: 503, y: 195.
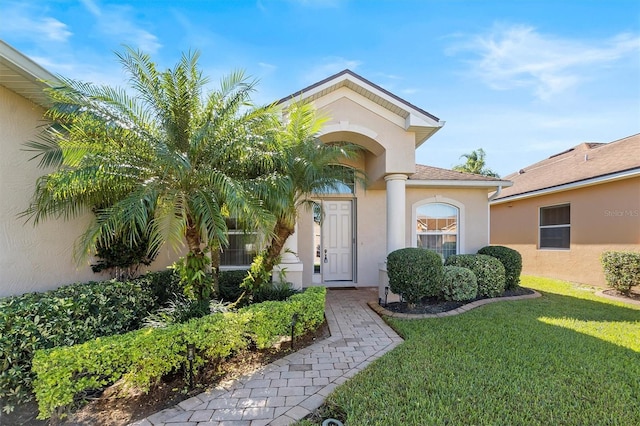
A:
x: 337, y: 241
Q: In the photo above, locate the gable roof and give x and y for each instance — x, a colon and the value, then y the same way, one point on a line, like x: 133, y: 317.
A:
x: 584, y: 164
x: 417, y: 120
x: 435, y: 176
x: 20, y: 74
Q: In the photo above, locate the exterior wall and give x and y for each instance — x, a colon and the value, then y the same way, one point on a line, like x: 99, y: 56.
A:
x: 603, y: 217
x: 356, y: 119
x: 371, y: 227
x: 33, y: 258
x: 473, y: 230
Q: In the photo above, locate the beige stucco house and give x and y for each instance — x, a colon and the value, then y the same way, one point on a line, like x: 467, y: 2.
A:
x: 563, y: 212
x: 403, y: 205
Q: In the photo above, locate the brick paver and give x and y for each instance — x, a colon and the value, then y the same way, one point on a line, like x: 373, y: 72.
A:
x: 290, y: 388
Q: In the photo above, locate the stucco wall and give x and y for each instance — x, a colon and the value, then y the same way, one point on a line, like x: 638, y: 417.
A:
x: 371, y: 238
x: 33, y: 258
x: 603, y: 217
x: 473, y: 232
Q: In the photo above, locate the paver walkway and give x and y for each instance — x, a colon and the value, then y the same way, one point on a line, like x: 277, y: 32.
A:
x: 292, y: 387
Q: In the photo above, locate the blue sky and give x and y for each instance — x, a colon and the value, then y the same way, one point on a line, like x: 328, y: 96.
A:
x: 521, y: 79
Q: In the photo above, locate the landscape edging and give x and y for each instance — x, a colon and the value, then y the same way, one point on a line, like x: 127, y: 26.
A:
x: 462, y: 309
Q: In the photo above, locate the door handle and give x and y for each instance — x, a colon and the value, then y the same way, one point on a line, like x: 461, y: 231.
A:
x: 325, y: 256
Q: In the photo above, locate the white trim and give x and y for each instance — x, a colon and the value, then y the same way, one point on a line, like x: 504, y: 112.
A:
x: 569, y: 186
x: 461, y: 248
x: 460, y: 183
x: 564, y: 225
x: 29, y: 78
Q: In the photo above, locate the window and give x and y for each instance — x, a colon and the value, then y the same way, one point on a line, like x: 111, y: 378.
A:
x: 242, y: 245
x: 555, y: 227
x: 437, y: 228
x: 342, y: 186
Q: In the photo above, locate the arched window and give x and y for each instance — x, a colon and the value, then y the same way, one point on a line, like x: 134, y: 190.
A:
x: 437, y: 228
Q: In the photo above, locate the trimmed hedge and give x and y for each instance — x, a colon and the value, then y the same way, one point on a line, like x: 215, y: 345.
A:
x: 142, y: 357
x: 459, y: 284
x: 510, y: 259
x: 66, y: 316
x: 414, y: 273
x: 488, y: 271
x: 621, y: 269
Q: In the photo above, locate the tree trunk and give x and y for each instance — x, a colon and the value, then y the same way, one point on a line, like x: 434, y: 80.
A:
x: 282, y: 231
x: 215, y: 265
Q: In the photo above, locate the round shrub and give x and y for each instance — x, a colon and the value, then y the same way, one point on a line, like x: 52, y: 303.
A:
x: 414, y: 273
x: 621, y: 269
x: 488, y: 271
x: 510, y: 259
x: 459, y: 284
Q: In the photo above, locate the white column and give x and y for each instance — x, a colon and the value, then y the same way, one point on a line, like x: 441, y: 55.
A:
x: 290, y: 268
x: 396, y: 214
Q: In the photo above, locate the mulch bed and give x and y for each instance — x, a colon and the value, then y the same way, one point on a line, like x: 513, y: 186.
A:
x: 635, y: 296
x: 106, y: 408
x: 432, y: 305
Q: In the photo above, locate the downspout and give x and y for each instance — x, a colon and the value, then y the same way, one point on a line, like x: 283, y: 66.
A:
x: 495, y: 194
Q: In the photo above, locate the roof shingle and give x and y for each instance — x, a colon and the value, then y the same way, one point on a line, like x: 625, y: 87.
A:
x: 435, y: 173
x: 585, y: 161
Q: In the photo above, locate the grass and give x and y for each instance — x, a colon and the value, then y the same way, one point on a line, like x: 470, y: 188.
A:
x: 567, y: 358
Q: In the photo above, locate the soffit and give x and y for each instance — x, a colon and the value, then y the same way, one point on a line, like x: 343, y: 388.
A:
x: 21, y: 75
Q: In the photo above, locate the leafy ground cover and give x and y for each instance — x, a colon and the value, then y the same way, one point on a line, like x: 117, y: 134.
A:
x: 568, y: 358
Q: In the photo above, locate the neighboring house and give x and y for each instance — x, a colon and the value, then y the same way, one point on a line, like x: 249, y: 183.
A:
x: 563, y: 212
x: 403, y: 205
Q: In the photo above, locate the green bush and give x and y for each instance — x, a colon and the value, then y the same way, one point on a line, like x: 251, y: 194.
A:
x: 414, y: 273
x: 62, y: 317
x: 272, y: 319
x: 510, y: 259
x: 273, y: 291
x: 164, y: 285
x: 621, y: 269
x: 459, y: 284
x: 142, y: 357
x: 229, y: 284
x: 488, y: 270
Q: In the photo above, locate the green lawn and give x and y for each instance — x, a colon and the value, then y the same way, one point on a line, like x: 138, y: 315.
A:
x: 567, y: 358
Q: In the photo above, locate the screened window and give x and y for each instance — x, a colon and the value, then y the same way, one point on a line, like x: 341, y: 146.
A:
x: 555, y: 227
x: 437, y: 228
x: 242, y: 245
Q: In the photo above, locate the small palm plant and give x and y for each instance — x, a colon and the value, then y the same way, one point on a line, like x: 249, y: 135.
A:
x: 167, y: 162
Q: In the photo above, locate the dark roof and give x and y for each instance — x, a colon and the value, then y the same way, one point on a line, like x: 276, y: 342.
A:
x: 582, y: 162
x: 364, y: 80
x: 435, y: 173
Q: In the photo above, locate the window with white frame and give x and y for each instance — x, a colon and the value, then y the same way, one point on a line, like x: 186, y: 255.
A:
x: 437, y: 228
x: 555, y: 227
x: 242, y: 245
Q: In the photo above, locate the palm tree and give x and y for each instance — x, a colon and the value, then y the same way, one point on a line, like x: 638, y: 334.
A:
x: 475, y: 164
x: 165, y: 160
x: 305, y: 167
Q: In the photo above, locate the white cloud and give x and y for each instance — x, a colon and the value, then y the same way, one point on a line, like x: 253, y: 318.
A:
x: 115, y: 21
x: 266, y: 66
x: 330, y: 65
x: 520, y: 56
x: 22, y: 21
